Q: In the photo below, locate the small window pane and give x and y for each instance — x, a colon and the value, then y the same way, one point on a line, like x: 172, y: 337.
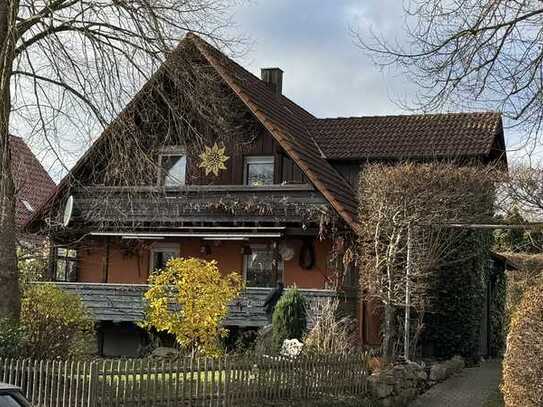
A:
x: 66, y: 265
x: 259, y: 171
x: 61, y: 270
x: 259, y: 270
x: 161, y: 258
x: 173, y: 169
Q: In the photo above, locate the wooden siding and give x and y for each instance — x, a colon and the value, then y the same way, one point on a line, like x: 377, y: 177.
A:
x: 263, y: 145
x: 350, y: 170
x: 125, y: 302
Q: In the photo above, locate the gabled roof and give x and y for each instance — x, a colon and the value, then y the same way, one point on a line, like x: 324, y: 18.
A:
x: 289, y: 124
x: 402, y: 137
x: 311, y: 141
x: 32, y: 183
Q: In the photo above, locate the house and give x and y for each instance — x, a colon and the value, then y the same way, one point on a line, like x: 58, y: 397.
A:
x: 238, y: 173
x: 33, y: 185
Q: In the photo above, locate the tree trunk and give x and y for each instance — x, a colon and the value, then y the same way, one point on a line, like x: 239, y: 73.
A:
x: 10, y: 303
x: 388, y: 334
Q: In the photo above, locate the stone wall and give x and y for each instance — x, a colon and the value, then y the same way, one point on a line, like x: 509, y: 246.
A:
x: 397, y: 386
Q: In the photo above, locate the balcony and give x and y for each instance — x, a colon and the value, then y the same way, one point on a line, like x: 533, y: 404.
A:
x: 139, y: 207
x: 125, y: 302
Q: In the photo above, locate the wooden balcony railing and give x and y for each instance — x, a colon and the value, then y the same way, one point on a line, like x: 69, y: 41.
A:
x: 125, y: 302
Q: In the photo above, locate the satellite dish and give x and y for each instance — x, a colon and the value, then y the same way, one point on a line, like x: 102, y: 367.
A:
x: 287, y: 253
x: 68, y: 211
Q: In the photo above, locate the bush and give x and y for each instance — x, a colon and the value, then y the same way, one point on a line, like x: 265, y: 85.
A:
x: 32, y: 264
x: 523, y: 362
x: 289, y: 319
x: 11, y: 338
x: 530, y: 270
x: 201, y: 295
x: 330, y: 333
x: 55, y: 323
x: 454, y: 325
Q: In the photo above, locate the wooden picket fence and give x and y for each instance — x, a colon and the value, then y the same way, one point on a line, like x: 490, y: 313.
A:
x: 229, y: 381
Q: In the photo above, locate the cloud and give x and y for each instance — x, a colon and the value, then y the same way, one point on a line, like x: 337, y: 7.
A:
x: 312, y: 42
x: 325, y: 72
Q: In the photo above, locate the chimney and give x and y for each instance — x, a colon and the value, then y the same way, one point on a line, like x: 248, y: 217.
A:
x: 274, y: 78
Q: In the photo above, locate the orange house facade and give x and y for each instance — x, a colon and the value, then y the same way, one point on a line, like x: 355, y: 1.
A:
x: 273, y: 201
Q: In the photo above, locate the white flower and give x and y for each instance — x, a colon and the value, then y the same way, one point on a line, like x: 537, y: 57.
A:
x: 291, y: 348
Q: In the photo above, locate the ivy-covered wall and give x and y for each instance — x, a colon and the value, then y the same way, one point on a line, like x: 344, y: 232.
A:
x: 453, y: 327
x: 498, y: 298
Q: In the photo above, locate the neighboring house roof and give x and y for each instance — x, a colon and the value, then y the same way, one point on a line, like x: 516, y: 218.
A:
x: 311, y: 141
x: 33, y: 184
x: 400, y: 137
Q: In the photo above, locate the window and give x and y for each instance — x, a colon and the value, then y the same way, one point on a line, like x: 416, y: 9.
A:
x: 258, y: 171
x: 66, y: 264
x: 258, y: 268
x: 161, y: 254
x: 173, y: 166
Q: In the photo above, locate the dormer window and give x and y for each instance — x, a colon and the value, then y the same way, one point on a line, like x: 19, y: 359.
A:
x: 258, y: 170
x: 172, y: 167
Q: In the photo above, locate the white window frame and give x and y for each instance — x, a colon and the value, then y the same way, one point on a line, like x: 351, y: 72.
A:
x: 171, y: 152
x: 161, y: 247
x: 257, y: 159
x: 260, y: 246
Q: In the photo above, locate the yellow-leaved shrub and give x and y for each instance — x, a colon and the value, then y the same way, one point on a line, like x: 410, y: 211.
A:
x: 188, y: 299
x: 56, y: 324
x: 523, y: 363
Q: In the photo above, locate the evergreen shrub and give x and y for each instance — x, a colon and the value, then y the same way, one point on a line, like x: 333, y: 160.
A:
x: 289, y: 319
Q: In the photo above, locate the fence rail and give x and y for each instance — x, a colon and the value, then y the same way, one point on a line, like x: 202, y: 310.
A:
x: 229, y: 381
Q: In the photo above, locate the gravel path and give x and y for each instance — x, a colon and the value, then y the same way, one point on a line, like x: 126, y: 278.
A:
x: 469, y: 389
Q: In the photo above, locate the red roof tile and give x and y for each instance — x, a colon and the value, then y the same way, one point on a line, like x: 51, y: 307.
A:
x: 400, y: 137
x: 310, y: 141
x: 289, y: 124
x: 32, y: 183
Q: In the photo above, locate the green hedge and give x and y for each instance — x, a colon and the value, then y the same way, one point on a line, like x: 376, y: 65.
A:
x: 498, y: 312
x: 454, y: 325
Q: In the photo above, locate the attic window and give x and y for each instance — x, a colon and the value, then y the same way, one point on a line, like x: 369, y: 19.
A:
x: 258, y: 170
x: 172, y: 167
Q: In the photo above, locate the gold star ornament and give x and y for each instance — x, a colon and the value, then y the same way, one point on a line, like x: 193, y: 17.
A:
x: 213, y: 159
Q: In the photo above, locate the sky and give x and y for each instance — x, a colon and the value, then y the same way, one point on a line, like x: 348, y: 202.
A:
x: 312, y: 42
x: 324, y: 70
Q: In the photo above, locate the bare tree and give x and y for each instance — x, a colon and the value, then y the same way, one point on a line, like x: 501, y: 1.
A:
x: 480, y: 52
x: 404, y: 237
x: 524, y: 188
x: 78, y: 61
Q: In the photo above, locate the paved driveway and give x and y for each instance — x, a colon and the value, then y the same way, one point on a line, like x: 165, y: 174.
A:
x: 470, y: 388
